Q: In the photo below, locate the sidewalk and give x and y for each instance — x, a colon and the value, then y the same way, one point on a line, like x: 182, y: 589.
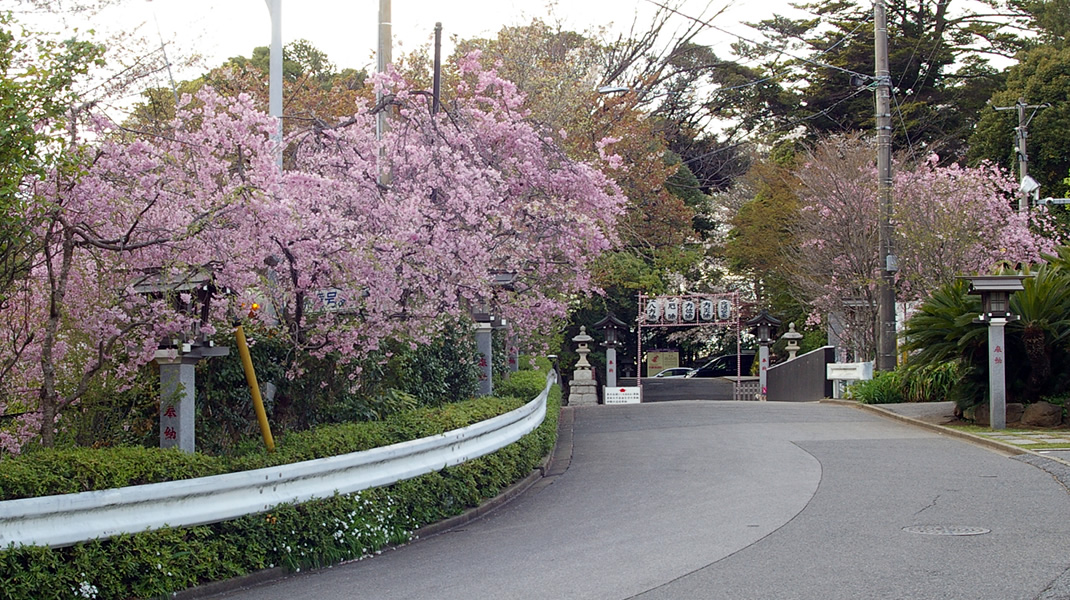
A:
x: 1052, y: 443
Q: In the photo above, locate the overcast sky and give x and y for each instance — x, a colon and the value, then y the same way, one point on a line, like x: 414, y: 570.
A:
x: 347, y: 31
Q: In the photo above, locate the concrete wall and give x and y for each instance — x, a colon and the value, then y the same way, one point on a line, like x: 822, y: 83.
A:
x: 802, y: 379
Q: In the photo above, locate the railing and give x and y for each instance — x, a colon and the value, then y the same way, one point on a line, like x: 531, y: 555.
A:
x: 72, y: 518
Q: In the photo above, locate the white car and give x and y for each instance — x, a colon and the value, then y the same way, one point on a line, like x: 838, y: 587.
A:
x: 674, y: 372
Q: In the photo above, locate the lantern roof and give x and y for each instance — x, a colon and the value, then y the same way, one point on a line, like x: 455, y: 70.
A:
x: 980, y: 284
x: 610, y: 321
x: 764, y: 318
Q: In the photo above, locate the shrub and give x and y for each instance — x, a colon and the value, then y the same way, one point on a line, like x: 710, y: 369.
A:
x: 931, y: 382
x: 312, y: 534
x: 884, y: 388
x: 524, y: 385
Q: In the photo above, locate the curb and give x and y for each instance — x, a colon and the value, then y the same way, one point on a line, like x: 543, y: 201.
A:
x: 553, y: 465
x: 1001, y: 447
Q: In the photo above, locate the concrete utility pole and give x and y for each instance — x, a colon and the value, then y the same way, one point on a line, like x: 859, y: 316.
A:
x: 1020, y: 143
x: 385, y: 57
x: 275, y: 72
x: 886, y: 332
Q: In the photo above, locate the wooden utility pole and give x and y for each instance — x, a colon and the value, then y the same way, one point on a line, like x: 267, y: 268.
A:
x: 886, y: 330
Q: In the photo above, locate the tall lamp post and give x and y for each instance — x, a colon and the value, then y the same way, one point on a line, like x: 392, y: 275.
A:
x: 763, y: 327
x: 995, y: 292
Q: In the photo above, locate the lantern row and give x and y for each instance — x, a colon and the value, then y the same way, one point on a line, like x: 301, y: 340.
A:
x: 689, y: 310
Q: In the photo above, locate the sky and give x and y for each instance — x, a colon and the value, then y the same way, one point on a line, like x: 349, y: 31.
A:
x: 347, y: 31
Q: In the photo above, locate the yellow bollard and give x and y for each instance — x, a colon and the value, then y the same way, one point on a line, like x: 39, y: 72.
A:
x: 250, y: 376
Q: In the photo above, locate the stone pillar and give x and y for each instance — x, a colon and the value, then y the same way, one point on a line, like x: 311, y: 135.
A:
x: 485, y: 347
x: 583, y: 390
x: 763, y: 371
x: 611, y: 366
x: 177, y: 393
x: 997, y: 374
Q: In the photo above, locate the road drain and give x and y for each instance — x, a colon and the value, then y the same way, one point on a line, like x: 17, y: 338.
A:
x: 945, y: 530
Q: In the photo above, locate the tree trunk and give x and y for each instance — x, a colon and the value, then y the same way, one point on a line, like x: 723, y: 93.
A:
x: 57, y: 283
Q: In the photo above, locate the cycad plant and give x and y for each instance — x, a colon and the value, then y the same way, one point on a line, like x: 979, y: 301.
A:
x: 1043, y: 327
x: 942, y: 332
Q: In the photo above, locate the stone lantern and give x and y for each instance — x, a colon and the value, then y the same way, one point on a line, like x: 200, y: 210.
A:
x: 792, y: 337
x: 995, y: 292
x: 763, y: 327
x: 583, y: 391
x: 177, y: 357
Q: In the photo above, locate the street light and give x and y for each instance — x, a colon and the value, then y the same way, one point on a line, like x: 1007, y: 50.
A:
x: 995, y: 292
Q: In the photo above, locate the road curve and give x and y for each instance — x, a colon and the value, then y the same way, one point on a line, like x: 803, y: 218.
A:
x: 741, y: 500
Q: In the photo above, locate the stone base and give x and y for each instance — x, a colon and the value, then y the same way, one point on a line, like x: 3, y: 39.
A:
x: 583, y: 389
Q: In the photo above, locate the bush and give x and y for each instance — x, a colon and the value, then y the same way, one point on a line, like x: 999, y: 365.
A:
x: 312, y: 534
x: 884, y: 388
x: 932, y: 382
x: 524, y: 385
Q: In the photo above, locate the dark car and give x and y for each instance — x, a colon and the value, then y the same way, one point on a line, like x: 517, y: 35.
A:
x: 727, y: 365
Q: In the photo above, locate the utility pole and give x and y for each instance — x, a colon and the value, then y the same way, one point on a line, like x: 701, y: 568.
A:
x: 385, y: 57
x: 1021, y: 138
x: 436, y: 90
x: 275, y: 73
x: 886, y: 331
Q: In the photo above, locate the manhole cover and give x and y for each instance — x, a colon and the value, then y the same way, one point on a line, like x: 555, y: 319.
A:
x: 945, y: 530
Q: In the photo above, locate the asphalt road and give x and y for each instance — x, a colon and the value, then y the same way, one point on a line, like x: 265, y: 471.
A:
x: 745, y: 500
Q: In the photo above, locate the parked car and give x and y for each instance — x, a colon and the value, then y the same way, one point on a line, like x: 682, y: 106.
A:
x: 674, y: 372
x: 727, y: 365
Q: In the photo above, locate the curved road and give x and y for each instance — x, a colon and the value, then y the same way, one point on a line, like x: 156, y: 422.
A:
x: 742, y: 500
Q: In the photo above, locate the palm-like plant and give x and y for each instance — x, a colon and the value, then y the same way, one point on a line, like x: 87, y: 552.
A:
x: 1043, y: 327
x: 943, y: 331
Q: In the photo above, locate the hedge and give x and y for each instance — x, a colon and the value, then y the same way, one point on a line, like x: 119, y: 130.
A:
x: 312, y: 534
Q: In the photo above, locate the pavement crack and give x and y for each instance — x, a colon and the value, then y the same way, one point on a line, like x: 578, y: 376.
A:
x: 931, y: 505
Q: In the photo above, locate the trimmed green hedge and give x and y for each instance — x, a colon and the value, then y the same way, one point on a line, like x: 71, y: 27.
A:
x: 314, y: 533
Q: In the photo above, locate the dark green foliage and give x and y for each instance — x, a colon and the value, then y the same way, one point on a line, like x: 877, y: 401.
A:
x: 431, y: 374
x: 884, y: 388
x: 523, y: 385
x: 315, y: 533
x: 934, y: 382
x: 69, y: 471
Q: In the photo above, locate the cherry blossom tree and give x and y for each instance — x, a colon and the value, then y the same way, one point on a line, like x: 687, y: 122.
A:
x: 407, y: 230
x: 949, y: 221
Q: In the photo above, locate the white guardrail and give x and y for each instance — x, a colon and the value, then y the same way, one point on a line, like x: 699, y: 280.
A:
x: 72, y: 518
